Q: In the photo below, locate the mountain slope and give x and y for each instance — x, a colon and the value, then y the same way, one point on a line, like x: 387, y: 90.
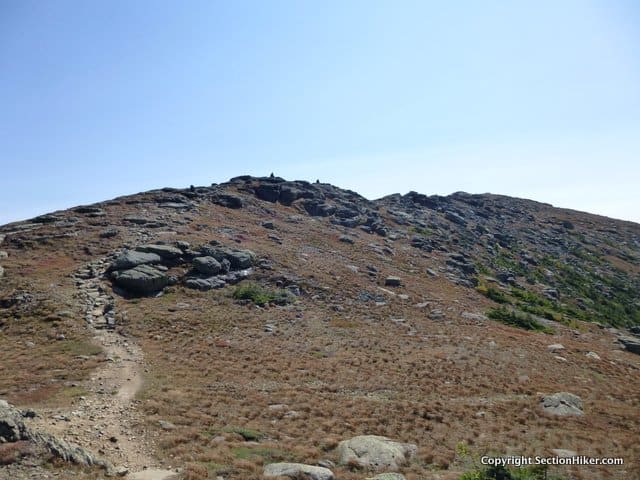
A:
x: 333, y: 316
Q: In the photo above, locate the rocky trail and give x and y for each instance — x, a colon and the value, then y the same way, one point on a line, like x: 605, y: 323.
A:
x: 105, y: 419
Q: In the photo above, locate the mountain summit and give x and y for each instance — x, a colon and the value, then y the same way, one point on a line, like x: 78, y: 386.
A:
x: 267, y: 328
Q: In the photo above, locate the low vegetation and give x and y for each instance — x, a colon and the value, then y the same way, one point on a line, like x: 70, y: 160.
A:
x: 260, y: 295
x: 518, y: 319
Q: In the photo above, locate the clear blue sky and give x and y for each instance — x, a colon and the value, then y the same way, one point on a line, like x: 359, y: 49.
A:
x: 536, y: 99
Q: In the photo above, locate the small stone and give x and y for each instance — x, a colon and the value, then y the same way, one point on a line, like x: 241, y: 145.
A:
x: 562, y: 453
x: 392, y: 281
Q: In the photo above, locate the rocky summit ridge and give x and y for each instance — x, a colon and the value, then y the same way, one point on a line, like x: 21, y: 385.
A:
x: 204, y: 332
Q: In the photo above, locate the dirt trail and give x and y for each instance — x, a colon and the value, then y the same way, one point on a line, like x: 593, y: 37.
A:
x: 105, y: 419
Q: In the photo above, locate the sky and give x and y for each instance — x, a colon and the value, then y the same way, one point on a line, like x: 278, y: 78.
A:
x: 534, y: 99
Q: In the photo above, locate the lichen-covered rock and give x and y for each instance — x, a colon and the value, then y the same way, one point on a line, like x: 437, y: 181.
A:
x: 164, y: 251
x: 207, y: 265
x: 143, y: 279
x: 375, y: 452
x: 130, y: 259
x: 298, y: 470
x: 562, y: 404
x: 204, y: 284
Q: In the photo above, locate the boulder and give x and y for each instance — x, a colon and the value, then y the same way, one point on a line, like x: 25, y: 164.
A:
x: 241, y: 258
x: 555, y: 347
x: 562, y: 404
x: 1, y: 272
x: 109, y: 233
x: 238, y: 259
x: 375, y: 452
x: 632, y: 344
x: 207, y: 265
x: 317, y: 208
x: 143, y: 279
x: 268, y: 192
x: 388, y: 476
x: 227, y: 200
x: 165, y: 251
x: 204, y: 284
x: 130, y: 259
x: 289, y: 194
x: 298, y: 470
x: 12, y: 427
x: 455, y: 218
x: 393, y: 281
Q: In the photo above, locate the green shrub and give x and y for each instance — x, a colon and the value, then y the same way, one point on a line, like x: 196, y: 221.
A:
x: 492, y: 293
x: 260, y: 295
x: 518, y: 319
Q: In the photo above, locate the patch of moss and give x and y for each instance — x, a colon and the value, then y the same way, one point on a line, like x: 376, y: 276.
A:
x: 260, y: 295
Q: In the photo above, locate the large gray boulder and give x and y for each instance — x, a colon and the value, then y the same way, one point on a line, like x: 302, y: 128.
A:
x: 164, y: 251
x: 631, y: 344
x: 298, y: 470
x: 388, y: 476
x: 143, y: 279
x: 204, y: 284
x: 207, y: 265
x: 12, y: 428
x: 562, y: 404
x: 375, y: 452
x: 239, y: 259
x: 130, y: 259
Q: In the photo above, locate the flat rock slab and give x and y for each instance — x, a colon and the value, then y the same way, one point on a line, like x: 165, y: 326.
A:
x: 153, y: 474
x: 562, y: 404
x: 298, y: 470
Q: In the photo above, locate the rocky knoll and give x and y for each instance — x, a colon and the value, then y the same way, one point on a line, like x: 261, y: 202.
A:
x: 149, y: 268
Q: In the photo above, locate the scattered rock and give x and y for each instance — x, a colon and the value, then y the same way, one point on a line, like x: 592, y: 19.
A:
x: 388, y: 476
x: 205, y: 284
x: 477, y: 317
x: 347, y: 239
x: 562, y: 404
x: 375, y: 452
x: 228, y: 201
x: 298, y: 470
x: 562, y: 453
x: 631, y: 344
x: 592, y: 355
x: 556, y: 347
x: 393, y: 281
x: 109, y: 233
x: 166, y: 425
